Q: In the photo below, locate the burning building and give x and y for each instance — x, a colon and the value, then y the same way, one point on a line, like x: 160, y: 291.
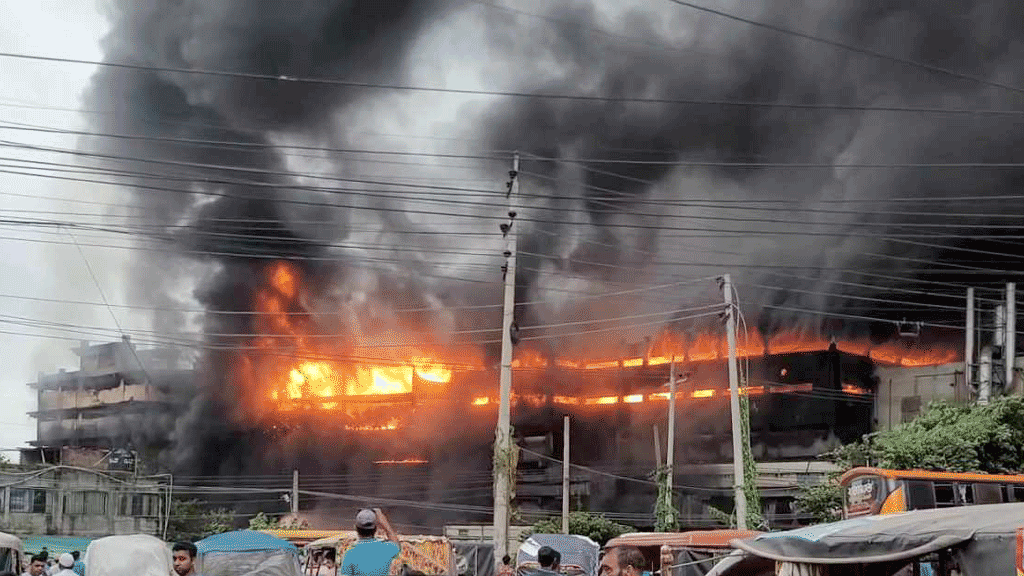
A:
x: 349, y: 280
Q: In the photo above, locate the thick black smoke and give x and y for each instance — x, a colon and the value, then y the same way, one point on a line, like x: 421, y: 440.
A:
x: 209, y: 165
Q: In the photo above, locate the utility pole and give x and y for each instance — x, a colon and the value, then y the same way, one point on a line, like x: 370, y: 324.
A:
x: 734, y: 407
x: 657, y: 448
x: 1011, y: 334
x: 295, y: 493
x: 565, y: 476
x: 670, y: 452
x: 502, y: 436
x: 969, y: 341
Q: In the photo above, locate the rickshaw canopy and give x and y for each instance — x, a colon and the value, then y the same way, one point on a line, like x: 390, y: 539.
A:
x: 984, y: 539
x: 137, y: 554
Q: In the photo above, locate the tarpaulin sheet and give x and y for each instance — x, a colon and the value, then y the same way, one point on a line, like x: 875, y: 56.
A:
x: 577, y: 551
x: 474, y: 559
x: 250, y: 563
x: 55, y: 545
x: 136, y: 555
x: 983, y: 539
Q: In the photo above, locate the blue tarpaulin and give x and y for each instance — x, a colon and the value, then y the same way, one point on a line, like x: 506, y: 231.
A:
x: 56, y: 545
x: 243, y: 541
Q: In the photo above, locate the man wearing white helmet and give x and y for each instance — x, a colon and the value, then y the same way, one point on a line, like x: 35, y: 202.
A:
x: 66, y: 565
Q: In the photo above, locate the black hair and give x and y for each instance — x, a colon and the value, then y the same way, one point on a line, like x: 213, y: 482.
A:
x: 38, y: 558
x: 630, y: 556
x: 186, y: 547
x: 506, y: 559
x: 76, y: 554
x: 366, y: 532
x: 548, y: 556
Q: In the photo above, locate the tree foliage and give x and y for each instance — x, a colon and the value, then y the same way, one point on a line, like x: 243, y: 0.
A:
x: 190, y: 521
x: 945, y: 438
x: 666, y: 517
x: 594, y: 526
x: 263, y: 522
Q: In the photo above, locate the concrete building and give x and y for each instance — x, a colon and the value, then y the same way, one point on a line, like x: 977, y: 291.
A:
x: 80, y: 502
x: 119, y: 397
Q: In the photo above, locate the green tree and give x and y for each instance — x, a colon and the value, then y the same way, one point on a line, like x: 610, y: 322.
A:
x: 666, y: 517
x: 263, y: 522
x: 592, y: 525
x: 190, y: 521
x: 945, y: 437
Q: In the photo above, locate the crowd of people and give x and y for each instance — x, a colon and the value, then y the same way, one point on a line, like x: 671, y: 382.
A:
x: 369, y: 556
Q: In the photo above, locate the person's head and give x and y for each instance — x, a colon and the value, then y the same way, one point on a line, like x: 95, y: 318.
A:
x: 366, y: 523
x: 37, y: 565
x: 622, y: 561
x: 184, y: 557
x: 76, y: 555
x: 506, y: 560
x: 548, y: 557
x: 66, y: 560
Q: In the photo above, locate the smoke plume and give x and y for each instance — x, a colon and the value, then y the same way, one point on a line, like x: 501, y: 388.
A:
x: 618, y: 195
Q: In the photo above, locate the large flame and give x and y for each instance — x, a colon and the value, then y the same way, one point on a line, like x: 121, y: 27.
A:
x: 300, y: 365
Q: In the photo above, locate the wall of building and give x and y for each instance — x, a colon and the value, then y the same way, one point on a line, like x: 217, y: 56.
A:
x: 78, y: 502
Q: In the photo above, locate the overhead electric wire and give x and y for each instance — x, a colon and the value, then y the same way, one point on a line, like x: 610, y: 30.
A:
x: 849, y: 47
x: 285, y: 79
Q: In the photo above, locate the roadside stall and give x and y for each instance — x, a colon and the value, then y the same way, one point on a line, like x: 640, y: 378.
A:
x: 580, y: 555
x: 11, y: 553
x: 682, y: 553
x: 984, y: 540
x: 432, y: 555
x: 246, y: 553
x: 137, y: 555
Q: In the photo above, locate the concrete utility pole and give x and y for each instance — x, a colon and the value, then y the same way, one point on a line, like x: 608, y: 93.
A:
x: 969, y: 341
x: 657, y: 447
x: 295, y: 493
x: 502, y: 436
x: 734, y: 406
x: 670, y: 452
x: 565, y: 476
x: 1011, y: 333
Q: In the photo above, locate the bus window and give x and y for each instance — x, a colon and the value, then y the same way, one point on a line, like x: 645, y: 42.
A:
x: 945, y: 495
x: 1004, y: 494
x: 985, y: 493
x: 965, y: 494
x: 920, y: 495
x: 1018, y: 493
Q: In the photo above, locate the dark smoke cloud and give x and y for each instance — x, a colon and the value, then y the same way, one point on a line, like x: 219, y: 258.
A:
x: 594, y: 227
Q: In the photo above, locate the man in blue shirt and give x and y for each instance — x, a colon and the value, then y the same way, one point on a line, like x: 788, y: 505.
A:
x: 371, y: 557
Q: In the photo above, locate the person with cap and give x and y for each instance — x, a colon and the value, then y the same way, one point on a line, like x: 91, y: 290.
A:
x: 66, y: 564
x: 369, y: 556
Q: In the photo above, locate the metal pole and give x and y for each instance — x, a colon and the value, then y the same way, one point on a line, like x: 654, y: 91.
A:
x: 734, y: 407
x: 657, y: 447
x: 670, y: 452
x: 565, y: 476
x: 502, y: 437
x: 969, y: 341
x: 295, y: 492
x: 1011, y: 333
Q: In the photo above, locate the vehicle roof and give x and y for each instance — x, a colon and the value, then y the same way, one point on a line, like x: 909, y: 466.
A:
x: 982, y: 533
x: 927, y: 475
x: 10, y: 541
x: 696, y: 538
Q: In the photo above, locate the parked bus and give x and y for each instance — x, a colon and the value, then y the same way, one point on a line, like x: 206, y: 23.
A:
x: 868, y: 491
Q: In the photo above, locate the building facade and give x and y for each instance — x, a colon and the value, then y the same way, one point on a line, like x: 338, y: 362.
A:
x: 80, y: 502
x: 119, y: 398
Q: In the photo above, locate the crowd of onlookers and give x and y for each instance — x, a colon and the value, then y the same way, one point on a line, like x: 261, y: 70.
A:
x: 44, y: 564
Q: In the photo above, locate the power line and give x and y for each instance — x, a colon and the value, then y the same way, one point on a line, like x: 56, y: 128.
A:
x: 849, y: 47
x: 285, y: 79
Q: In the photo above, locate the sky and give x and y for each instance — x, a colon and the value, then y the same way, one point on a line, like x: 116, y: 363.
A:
x: 34, y: 268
